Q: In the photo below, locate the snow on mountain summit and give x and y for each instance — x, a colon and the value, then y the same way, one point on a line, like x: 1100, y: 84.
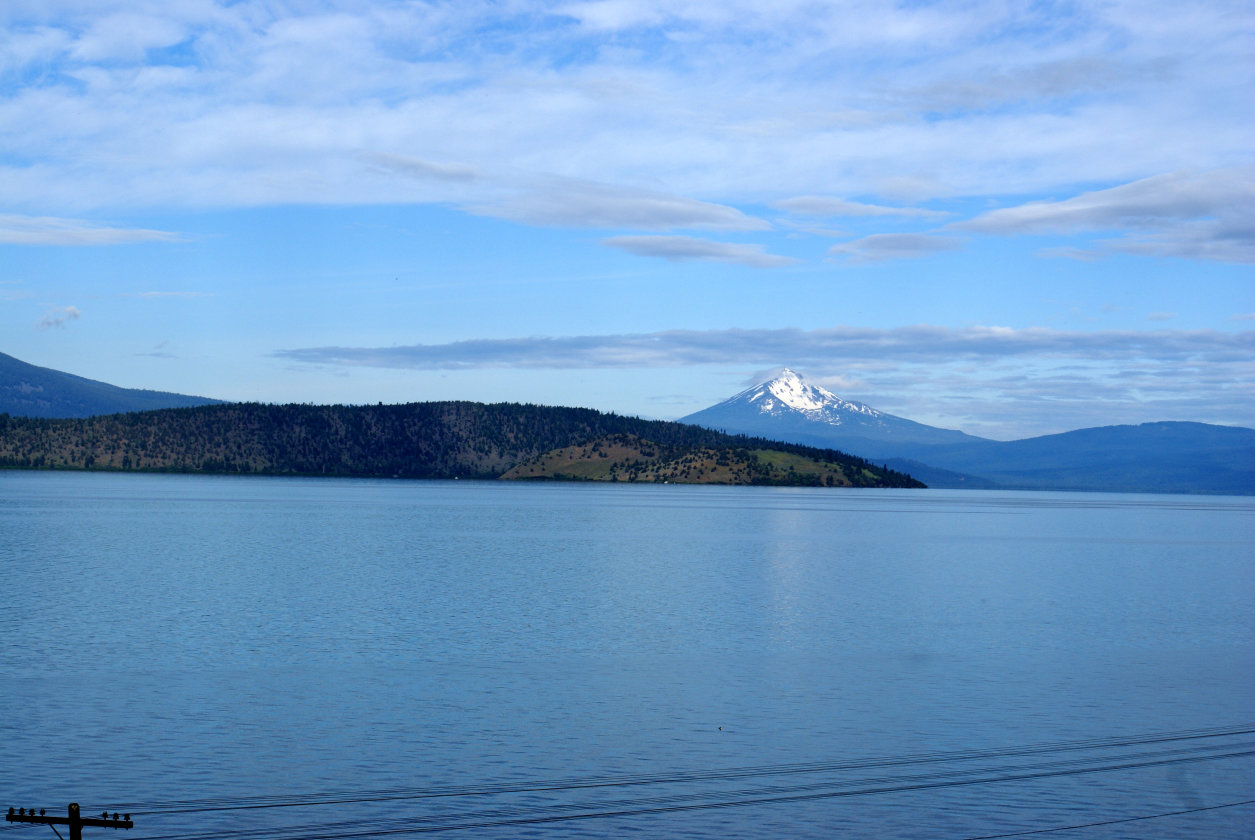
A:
x: 788, y: 408
x: 789, y: 391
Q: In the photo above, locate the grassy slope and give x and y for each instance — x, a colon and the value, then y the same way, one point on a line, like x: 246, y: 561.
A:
x: 628, y: 458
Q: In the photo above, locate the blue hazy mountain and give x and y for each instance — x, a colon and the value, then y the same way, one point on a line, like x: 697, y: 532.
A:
x: 30, y: 391
x: 1167, y: 457
x: 1163, y: 457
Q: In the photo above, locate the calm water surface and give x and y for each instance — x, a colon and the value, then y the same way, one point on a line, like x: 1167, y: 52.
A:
x: 182, y: 639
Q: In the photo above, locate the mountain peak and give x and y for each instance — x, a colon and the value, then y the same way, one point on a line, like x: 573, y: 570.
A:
x: 787, y: 407
x: 789, y: 390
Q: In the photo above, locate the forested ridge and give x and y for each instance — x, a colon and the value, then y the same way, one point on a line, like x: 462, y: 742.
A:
x: 415, y: 440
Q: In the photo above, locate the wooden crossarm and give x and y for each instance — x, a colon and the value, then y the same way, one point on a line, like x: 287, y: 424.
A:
x: 74, y: 820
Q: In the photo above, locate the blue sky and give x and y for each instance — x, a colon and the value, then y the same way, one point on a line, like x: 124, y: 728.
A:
x: 1012, y: 218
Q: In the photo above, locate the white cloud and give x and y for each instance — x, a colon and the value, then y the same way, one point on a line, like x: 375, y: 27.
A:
x: 40, y: 44
x: 58, y: 316
x: 46, y: 230
x: 1201, y: 215
x: 603, y: 15
x: 1175, y: 197
x: 988, y: 380
x: 418, y: 168
x: 126, y: 36
x: 880, y: 25
x: 1051, y: 79
x: 684, y: 248
x: 731, y: 103
x: 880, y: 247
x: 828, y: 207
x: 922, y: 343
x: 579, y: 204
x: 1211, y: 240
x: 1014, y: 398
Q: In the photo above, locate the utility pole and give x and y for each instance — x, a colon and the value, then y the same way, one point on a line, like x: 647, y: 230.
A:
x: 74, y: 820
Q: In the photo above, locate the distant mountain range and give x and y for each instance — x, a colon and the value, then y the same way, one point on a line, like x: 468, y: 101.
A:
x: 1167, y: 457
x: 54, y: 420
x: 30, y: 391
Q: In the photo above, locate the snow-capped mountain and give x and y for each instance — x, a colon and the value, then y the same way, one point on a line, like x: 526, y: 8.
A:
x: 789, y: 408
x: 788, y: 391
x: 1173, y: 457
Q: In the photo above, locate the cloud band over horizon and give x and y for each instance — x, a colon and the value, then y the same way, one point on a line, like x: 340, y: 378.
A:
x: 987, y: 380
x: 677, y: 348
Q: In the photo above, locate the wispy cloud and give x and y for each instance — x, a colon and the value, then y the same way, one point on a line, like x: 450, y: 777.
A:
x: 683, y: 248
x: 678, y: 348
x: 1045, y: 78
x: 1204, y: 215
x: 987, y: 380
x: 820, y: 206
x: 880, y: 247
x: 615, y: 15
x: 58, y: 316
x: 126, y: 36
x: 1163, y: 198
x: 47, y: 230
x: 702, y: 108
x: 567, y: 203
x: 417, y: 168
x: 1017, y: 397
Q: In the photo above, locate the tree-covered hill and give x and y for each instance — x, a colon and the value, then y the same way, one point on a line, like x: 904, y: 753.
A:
x: 417, y: 440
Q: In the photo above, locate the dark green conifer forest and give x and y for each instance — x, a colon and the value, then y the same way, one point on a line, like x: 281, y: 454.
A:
x: 416, y: 440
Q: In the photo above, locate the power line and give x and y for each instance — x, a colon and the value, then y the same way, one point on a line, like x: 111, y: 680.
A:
x: 570, y: 812
x: 678, y: 808
x: 767, y: 800
x: 828, y: 780
x: 1112, y: 822
x: 1078, y: 765
x: 570, y: 784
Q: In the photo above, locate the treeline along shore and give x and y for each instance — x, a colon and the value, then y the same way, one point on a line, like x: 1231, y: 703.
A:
x: 424, y: 440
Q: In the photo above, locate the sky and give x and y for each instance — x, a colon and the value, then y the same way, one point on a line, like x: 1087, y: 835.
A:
x: 1010, y: 218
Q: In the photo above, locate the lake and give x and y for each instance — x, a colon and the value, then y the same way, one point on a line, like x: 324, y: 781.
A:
x: 276, y: 658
